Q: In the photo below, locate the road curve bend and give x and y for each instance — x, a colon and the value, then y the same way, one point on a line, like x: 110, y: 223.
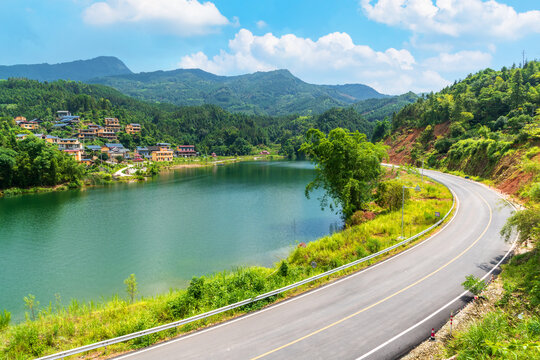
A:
x: 378, y: 313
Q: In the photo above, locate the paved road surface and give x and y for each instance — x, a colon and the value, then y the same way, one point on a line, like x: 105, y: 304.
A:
x: 356, y: 317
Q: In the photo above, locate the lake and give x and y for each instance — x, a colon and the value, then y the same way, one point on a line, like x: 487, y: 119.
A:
x: 184, y: 223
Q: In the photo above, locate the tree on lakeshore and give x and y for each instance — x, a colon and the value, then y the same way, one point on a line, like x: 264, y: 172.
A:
x: 31, y: 304
x: 131, y: 286
x: 347, y: 168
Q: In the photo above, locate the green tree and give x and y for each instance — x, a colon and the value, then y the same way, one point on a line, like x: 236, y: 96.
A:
x: 517, y: 89
x: 526, y: 223
x: 7, y: 165
x: 31, y: 304
x: 131, y: 286
x: 382, y: 128
x: 347, y: 168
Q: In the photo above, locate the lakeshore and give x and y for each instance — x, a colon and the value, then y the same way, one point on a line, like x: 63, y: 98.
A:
x: 95, y: 321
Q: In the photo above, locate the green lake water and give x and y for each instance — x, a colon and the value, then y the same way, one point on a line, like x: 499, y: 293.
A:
x: 185, y: 223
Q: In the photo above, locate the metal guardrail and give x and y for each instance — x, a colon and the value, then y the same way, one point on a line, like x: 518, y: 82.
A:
x: 164, y: 327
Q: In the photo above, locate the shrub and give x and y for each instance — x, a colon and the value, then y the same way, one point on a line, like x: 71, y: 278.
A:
x: 373, y: 245
x: 390, y: 194
x: 443, y: 145
x: 474, y: 284
x: 283, y: 269
x: 195, y: 288
x: 5, y: 318
x: 534, y: 192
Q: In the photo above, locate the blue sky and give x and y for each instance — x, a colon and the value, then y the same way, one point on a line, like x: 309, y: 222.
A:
x: 392, y: 45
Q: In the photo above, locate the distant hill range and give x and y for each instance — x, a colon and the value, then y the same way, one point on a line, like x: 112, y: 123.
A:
x: 263, y: 93
x: 80, y: 70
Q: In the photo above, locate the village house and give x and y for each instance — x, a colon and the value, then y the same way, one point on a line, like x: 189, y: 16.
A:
x: 61, y: 113
x: 144, y: 152
x: 76, y: 153
x: 51, y: 139
x: 19, y: 119
x: 69, y: 144
x: 162, y: 153
x: 29, y: 125
x: 112, y: 124
x: 105, y: 133
x: 87, y: 134
x: 70, y: 120
x: 133, y: 129
x: 94, y: 148
x: 186, y: 150
x: 21, y: 136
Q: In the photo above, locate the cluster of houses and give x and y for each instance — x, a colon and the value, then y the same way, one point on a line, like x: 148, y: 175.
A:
x: 89, y: 153
x: 83, y: 131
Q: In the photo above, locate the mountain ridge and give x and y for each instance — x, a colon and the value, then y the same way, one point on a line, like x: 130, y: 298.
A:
x: 276, y: 92
x: 78, y: 70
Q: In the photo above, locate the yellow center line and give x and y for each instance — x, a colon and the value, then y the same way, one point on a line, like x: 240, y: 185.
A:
x: 389, y: 296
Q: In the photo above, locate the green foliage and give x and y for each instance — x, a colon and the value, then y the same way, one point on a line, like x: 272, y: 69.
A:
x: 512, y: 330
x: 131, y: 286
x: 33, y: 162
x: 5, y: 318
x: 390, y: 194
x: 195, y: 289
x: 487, y: 98
x: 76, y: 70
x: 474, y: 284
x: 283, y: 269
x: 380, y: 109
x: 534, y: 192
x: 60, y: 328
x: 31, y: 304
x: 262, y: 93
x: 526, y: 223
x: 381, y: 130
x: 347, y: 168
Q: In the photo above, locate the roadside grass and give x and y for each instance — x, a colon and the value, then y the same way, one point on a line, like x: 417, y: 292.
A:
x: 60, y: 327
x: 512, y: 331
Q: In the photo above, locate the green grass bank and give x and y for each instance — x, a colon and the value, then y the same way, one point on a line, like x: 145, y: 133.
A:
x: 60, y: 326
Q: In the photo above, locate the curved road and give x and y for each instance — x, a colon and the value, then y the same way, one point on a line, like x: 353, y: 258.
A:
x: 378, y: 313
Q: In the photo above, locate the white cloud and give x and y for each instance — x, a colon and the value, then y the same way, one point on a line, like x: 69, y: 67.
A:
x: 333, y: 58
x: 462, y: 61
x: 455, y: 17
x: 182, y: 17
x: 261, y: 24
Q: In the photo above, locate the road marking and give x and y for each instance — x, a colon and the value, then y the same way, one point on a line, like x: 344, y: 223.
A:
x: 310, y: 292
x: 514, y: 243
x: 389, y: 296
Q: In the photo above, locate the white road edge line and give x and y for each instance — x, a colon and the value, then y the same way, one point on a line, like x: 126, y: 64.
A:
x: 323, y: 287
x: 452, y: 301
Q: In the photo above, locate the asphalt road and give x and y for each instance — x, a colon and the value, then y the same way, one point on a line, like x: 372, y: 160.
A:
x: 378, y: 313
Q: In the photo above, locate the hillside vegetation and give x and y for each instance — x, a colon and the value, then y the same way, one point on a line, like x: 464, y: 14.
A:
x: 487, y: 125
x: 59, y: 326
x: 263, y: 93
x: 208, y: 127
x: 79, y: 70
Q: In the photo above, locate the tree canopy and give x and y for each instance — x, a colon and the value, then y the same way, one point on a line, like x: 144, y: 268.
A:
x: 347, y: 168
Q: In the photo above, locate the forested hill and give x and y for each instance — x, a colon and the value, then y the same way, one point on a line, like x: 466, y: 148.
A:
x: 262, y: 93
x: 208, y: 127
x: 486, y: 125
x: 79, y: 70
